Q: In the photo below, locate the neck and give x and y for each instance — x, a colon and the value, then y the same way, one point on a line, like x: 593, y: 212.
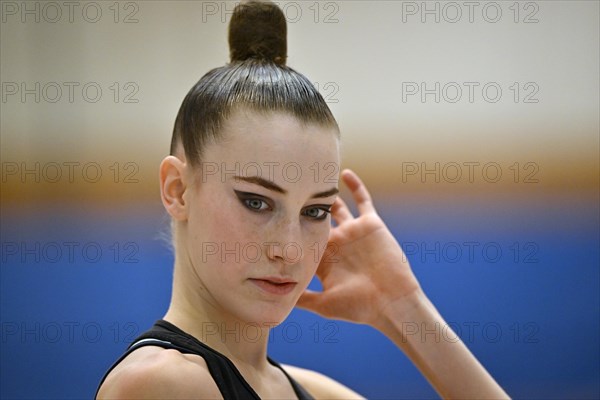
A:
x: 193, y: 311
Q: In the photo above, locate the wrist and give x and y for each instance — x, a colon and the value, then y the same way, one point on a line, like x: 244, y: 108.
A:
x: 409, y: 309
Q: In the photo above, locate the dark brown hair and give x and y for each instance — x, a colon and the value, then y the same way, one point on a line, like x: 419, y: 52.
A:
x: 257, y: 79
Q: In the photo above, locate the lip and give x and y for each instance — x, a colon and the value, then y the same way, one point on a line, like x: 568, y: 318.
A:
x: 274, y: 285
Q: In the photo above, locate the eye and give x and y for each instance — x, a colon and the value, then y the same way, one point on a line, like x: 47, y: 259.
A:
x: 317, y: 213
x: 256, y: 204
x: 252, y: 201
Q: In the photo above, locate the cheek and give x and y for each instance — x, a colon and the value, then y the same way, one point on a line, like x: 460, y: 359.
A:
x: 225, y: 235
x: 233, y: 225
x: 317, y: 246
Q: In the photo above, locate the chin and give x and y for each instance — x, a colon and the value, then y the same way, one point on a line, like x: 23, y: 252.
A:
x: 269, y: 314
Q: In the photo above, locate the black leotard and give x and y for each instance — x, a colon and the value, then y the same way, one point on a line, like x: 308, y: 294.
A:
x: 227, y: 377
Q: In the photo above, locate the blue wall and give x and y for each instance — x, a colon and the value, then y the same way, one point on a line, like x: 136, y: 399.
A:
x: 530, y: 314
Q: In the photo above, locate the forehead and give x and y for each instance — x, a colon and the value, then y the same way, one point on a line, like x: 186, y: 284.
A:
x: 250, y: 130
x: 254, y: 140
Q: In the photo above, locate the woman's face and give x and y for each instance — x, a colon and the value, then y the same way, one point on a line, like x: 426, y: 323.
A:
x: 257, y: 222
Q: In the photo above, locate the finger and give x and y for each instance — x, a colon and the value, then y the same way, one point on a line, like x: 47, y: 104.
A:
x: 324, y: 266
x: 340, y: 211
x: 359, y: 192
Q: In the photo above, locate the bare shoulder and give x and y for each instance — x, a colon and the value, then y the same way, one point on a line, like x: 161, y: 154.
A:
x: 152, y: 372
x: 319, y: 385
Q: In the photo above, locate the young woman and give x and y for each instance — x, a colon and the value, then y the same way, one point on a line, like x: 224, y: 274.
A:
x: 251, y: 224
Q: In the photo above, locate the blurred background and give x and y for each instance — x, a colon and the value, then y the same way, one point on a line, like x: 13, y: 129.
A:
x: 474, y: 124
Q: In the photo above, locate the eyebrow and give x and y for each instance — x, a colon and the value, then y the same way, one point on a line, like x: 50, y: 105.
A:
x: 267, y: 184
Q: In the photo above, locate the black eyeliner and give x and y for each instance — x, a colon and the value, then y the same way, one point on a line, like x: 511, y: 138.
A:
x: 243, y: 197
x: 249, y: 194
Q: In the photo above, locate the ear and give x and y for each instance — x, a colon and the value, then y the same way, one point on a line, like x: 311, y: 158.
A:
x: 173, y: 184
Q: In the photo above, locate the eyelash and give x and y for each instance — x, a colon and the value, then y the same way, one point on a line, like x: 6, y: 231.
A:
x: 247, y: 197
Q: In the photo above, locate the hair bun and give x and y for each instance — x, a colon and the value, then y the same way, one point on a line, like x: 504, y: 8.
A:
x: 258, y: 30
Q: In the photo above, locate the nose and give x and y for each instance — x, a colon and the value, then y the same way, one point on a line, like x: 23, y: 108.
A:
x: 285, y: 245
